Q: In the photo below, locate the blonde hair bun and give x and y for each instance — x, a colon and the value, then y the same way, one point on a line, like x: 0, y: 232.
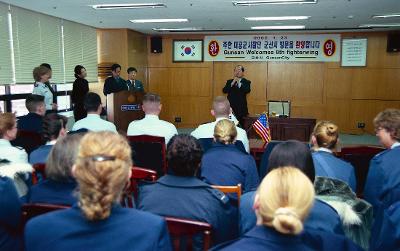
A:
x: 287, y: 221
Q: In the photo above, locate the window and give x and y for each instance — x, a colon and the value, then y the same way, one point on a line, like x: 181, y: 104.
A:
x: 16, y: 89
x: 5, y: 49
x: 64, y: 102
x: 18, y: 106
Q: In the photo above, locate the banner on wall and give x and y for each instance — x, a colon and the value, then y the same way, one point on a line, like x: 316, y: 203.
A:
x: 322, y: 48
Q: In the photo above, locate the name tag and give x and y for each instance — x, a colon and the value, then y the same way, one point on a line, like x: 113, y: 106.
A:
x: 134, y: 107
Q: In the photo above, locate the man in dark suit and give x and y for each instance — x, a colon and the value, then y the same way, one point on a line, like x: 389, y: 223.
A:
x: 34, y: 119
x: 237, y: 89
x: 132, y: 82
x: 114, y: 83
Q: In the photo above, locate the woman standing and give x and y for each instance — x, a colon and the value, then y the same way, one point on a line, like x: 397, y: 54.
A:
x: 41, y: 75
x: 79, y: 91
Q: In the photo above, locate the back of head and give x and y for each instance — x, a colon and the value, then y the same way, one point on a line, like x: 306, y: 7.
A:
x: 92, y: 102
x: 102, y: 170
x: 225, y: 131
x: 62, y: 157
x: 326, y: 134
x: 53, y: 123
x: 389, y: 119
x: 293, y: 153
x: 151, y: 103
x: 48, y: 66
x: 39, y: 71
x: 184, y: 154
x: 221, y: 107
x: 35, y: 104
x: 284, y: 199
x: 7, y: 122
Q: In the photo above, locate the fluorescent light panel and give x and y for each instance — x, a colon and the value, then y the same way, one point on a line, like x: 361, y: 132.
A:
x: 379, y: 25
x: 250, y: 3
x: 279, y: 27
x: 386, y: 15
x: 128, y: 6
x: 178, y: 29
x: 160, y: 20
x: 276, y: 18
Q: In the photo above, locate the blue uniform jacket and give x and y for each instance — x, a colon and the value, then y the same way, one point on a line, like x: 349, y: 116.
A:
x: 10, y: 216
x: 266, y: 238
x: 382, y: 187
x: 322, y: 216
x: 191, y: 198
x: 53, y: 192
x: 327, y: 165
x: 40, y: 155
x: 226, y: 165
x: 69, y: 230
x: 32, y: 122
x: 386, y: 230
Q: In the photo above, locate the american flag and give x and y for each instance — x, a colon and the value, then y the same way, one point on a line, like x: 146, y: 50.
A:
x: 261, y: 126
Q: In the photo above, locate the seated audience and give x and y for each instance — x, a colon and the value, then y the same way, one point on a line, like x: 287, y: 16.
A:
x: 10, y: 216
x: 324, y: 140
x: 93, y: 122
x: 282, y: 203
x: 183, y: 195
x: 98, y: 222
x: 225, y: 165
x: 220, y: 110
x: 34, y: 119
x: 54, y: 127
x: 8, y: 132
x: 293, y: 153
x: 151, y: 124
x: 382, y: 187
x: 59, y: 185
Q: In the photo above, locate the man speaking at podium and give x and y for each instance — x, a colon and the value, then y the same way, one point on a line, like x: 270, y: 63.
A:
x: 237, y: 89
x: 114, y: 83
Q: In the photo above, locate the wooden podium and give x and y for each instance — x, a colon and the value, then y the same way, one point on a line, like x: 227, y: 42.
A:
x: 123, y: 107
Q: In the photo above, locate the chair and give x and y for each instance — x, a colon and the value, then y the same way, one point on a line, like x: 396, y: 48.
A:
x: 138, y: 174
x: 188, y: 228
x: 359, y: 157
x: 207, y: 143
x: 149, y: 152
x: 28, y: 140
x: 39, y: 168
x: 231, y: 189
x: 32, y: 210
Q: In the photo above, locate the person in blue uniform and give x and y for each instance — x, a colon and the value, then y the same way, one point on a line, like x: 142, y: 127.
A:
x: 225, y: 165
x: 282, y: 203
x: 386, y: 230
x: 10, y: 216
x: 41, y: 75
x: 98, y: 222
x: 59, y: 185
x: 79, y: 90
x: 34, y: 119
x: 114, y: 83
x: 324, y: 140
x: 132, y: 82
x: 293, y: 153
x: 183, y: 195
x: 382, y: 187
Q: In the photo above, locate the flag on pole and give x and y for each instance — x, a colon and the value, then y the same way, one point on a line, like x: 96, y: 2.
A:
x: 261, y: 126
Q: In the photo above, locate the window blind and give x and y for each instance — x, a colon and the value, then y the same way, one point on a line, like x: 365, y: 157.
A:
x: 6, y: 74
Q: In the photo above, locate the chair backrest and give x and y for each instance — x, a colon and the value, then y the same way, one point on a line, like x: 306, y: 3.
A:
x: 28, y: 140
x: 32, y: 210
x: 231, y: 189
x: 207, y: 143
x: 138, y: 174
x: 263, y: 170
x: 359, y: 157
x: 179, y: 228
x: 149, y: 152
x: 39, y: 172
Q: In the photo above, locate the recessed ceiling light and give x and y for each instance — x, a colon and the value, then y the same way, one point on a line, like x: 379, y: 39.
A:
x: 165, y: 20
x: 276, y: 18
x: 386, y: 15
x: 178, y: 29
x: 250, y: 3
x: 379, y: 25
x: 279, y: 27
x: 128, y: 6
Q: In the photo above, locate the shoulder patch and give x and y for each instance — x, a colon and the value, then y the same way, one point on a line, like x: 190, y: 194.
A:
x: 219, y: 195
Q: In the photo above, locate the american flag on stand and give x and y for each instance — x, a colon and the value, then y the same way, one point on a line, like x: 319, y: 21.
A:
x: 261, y: 126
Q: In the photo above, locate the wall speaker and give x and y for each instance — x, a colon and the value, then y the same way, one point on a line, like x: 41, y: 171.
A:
x: 156, y: 44
x: 393, y: 42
